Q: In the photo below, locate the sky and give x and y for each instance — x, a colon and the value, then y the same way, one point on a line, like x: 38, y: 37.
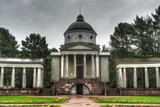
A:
x: 51, y: 18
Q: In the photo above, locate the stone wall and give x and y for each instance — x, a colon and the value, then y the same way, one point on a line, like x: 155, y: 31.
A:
x: 55, y: 74
x: 18, y: 92
x: 104, y: 68
x: 64, y: 86
x: 140, y: 92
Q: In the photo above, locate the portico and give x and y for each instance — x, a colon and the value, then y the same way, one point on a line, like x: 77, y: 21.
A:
x: 134, y: 64
x: 14, y: 63
x: 93, y: 66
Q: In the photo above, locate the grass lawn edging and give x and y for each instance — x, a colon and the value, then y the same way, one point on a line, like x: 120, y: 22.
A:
x: 30, y: 100
x: 125, y: 106
x: 148, y: 100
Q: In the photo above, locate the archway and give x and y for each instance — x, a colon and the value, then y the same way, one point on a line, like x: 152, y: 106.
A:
x: 79, y: 89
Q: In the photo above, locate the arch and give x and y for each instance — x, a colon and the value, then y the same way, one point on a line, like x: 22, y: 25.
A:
x: 85, y: 89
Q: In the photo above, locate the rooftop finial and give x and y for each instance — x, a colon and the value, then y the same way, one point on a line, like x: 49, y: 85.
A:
x: 80, y: 8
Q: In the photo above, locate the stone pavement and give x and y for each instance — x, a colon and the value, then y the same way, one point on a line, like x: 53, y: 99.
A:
x: 81, y: 101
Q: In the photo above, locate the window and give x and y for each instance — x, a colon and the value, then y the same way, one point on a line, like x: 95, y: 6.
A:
x: 80, y: 36
x: 91, y: 37
x: 69, y: 37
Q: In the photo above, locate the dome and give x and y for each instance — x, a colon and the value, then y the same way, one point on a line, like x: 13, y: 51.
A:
x: 80, y: 24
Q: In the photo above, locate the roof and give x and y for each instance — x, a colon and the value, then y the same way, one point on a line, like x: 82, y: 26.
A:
x: 20, y: 60
x: 80, y: 24
x: 137, y: 60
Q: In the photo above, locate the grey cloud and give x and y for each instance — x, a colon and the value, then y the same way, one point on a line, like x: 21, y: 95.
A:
x: 51, y: 18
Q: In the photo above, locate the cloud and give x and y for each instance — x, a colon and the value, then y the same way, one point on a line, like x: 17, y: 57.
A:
x: 51, y: 18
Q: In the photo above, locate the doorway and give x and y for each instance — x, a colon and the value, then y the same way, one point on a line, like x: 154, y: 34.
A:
x: 79, y: 89
x: 79, y: 72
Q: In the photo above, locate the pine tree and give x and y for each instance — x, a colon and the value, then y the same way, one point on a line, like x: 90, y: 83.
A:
x: 8, y: 44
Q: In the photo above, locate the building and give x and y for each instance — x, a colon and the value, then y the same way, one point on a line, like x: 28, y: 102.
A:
x: 150, y: 67
x: 80, y: 67
x: 26, y: 76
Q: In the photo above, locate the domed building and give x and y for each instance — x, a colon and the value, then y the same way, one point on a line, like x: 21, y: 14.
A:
x: 80, y: 67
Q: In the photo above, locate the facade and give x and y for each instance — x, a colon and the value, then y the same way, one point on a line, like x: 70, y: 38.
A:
x: 80, y: 67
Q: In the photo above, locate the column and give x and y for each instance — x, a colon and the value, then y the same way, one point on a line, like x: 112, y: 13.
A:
x: 97, y: 66
x: 39, y: 78
x: 2, y: 77
x: 135, y: 78
x: 93, y: 66
x: 24, y: 78
x: 75, y: 65
x: 157, y: 78
x: 66, y: 66
x: 62, y: 66
x: 13, y: 78
x: 146, y: 79
x: 120, y: 78
x: 42, y: 77
x: 84, y: 66
x: 124, y: 78
x: 34, y: 78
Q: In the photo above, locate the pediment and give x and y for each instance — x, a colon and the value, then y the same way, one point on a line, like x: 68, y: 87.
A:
x: 79, y: 47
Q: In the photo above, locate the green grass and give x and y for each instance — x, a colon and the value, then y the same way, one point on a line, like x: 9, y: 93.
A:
x: 137, y: 99
x: 30, y: 100
x: 124, y: 106
x: 38, y: 106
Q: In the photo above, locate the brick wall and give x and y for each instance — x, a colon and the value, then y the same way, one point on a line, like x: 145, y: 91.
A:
x: 18, y: 92
x: 140, y: 92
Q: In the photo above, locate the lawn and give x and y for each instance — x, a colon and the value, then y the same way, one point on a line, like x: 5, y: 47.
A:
x: 29, y: 100
x: 38, y: 106
x: 123, y: 106
x: 137, y: 99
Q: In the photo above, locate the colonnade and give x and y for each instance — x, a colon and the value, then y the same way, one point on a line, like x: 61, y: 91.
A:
x: 37, y: 77
x: 94, y: 65
x: 121, y: 73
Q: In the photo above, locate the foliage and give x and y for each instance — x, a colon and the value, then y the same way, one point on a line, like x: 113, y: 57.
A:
x: 139, y: 39
x: 8, y: 44
x: 29, y: 100
x: 35, y: 46
x: 137, y: 99
x: 105, y: 48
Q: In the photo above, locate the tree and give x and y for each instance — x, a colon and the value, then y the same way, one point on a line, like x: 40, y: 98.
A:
x: 105, y: 48
x: 8, y: 44
x: 121, y: 40
x: 35, y: 46
x: 143, y: 37
x: 121, y: 47
x: 156, y: 23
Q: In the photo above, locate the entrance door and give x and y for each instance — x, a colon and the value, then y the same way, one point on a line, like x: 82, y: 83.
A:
x: 79, y: 89
x: 79, y: 71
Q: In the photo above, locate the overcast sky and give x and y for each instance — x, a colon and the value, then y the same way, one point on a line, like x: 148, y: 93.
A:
x: 51, y: 18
